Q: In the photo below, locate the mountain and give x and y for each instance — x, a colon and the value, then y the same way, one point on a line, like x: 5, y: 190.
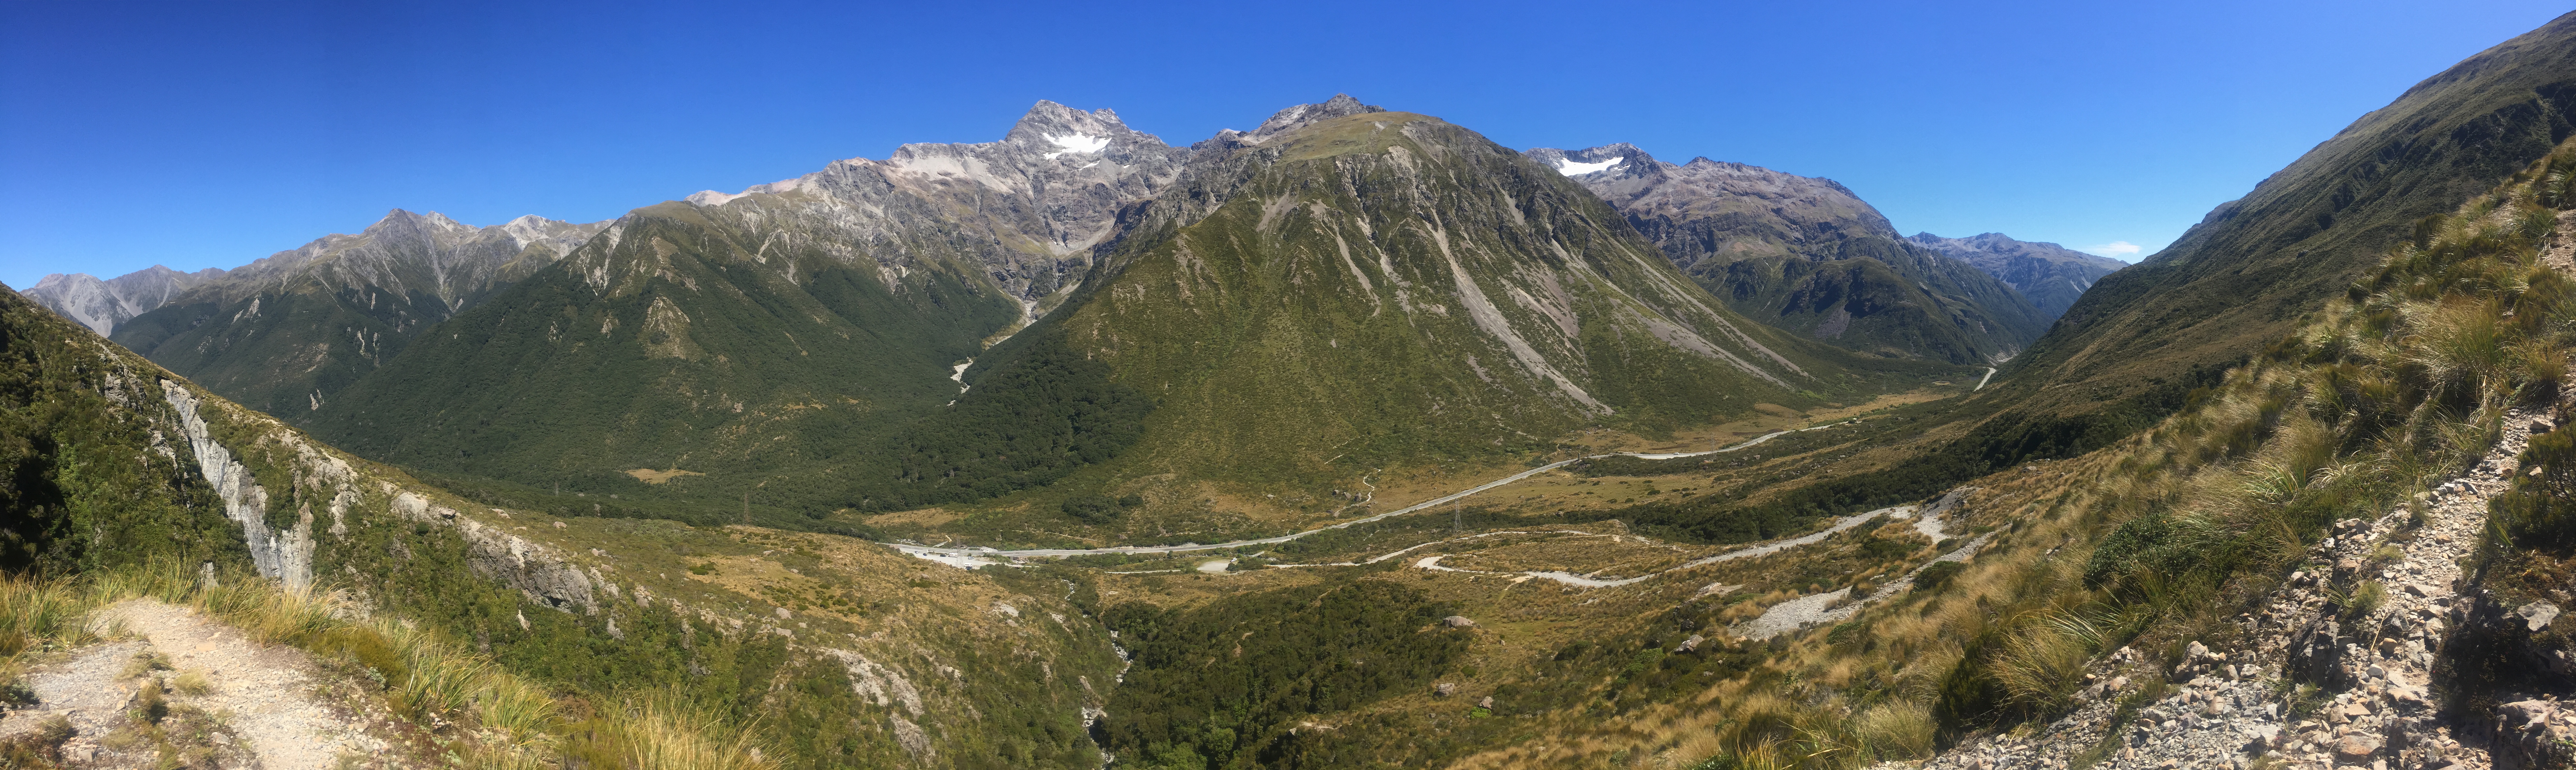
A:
x: 1026, y: 210
x: 2246, y: 273
x: 774, y: 335
x: 285, y: 333
x: 102, y: 305
x: 1345, y: 285
x: 2049, y: 275
x: 1806, y: 255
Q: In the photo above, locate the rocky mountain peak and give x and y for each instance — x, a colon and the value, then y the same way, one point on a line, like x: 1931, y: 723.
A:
x: 1297, y: 117
x: 1060, y: 131
x: 1808, y: 207
x: 1610, y: 161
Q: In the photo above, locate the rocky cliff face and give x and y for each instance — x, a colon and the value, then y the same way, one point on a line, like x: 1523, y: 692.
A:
x: 1806, y: 255
x: 102, y: 305
x: 2051, y: 276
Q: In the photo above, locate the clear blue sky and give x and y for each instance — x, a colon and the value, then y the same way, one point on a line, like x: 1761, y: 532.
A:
x: 203, y: 134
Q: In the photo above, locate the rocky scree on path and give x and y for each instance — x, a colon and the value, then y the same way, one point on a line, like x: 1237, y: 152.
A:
x: 222, y: 699
x: 2375, y: 704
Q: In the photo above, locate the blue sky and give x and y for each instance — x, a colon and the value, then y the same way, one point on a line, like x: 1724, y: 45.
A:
x: 207, y: 135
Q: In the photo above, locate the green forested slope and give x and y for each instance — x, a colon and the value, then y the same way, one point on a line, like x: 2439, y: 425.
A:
x: 675, y: 344
x: 285, y: 334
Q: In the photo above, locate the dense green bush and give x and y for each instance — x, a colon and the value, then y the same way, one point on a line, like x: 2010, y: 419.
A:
x: 1221, y: 683
x: 1027, y: 423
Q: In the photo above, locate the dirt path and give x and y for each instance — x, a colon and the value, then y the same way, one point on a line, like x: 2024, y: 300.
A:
x: 269, y: 701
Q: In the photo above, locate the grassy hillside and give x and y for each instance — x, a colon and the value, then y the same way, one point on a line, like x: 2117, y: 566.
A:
x: 2255, y: 266
x: 1875, y: 295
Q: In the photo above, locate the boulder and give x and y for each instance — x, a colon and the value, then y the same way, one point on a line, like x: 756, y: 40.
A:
x: 1444, y: 689
x: 2316, y: 652
x: 2537, y: 615
x: 1457, y: 621
x: 2356, y: 748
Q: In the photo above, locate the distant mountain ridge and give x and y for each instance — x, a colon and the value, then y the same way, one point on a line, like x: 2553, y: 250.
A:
x: 284, y: 333
x: 2051, y: 276
x: 1806, y: 255
x: 101, y: 305
x: 792, y: 329
x: 1027, y: 208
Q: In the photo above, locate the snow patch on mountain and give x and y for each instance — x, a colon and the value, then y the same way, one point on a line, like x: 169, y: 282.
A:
x: 1075, y: 142
x: 1570, y: 167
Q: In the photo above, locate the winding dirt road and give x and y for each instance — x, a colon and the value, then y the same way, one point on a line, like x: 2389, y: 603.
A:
x: 975, y: 557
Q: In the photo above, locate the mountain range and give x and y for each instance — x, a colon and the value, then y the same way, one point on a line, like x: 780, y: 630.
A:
x: 2049, y: 275
x: 1706, y: 466
x: 1807, y: 255
x: 822, y: 327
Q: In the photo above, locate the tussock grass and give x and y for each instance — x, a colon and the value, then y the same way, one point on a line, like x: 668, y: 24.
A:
x: 664, y: 729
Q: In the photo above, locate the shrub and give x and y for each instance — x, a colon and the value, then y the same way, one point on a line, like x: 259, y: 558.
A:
x: 2540, y: 510
x: 2365, y: 599
x: 2138, y: 542
x: 1896, y: 730
x: 1092, y: 509
x: 2042, y: 663
x: 1939, y: 574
